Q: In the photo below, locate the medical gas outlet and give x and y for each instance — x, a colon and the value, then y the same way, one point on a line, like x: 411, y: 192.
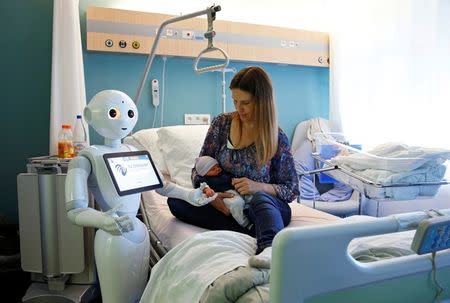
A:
x: 109, y: 43
x: 186, y: 34
x: 136, y: 44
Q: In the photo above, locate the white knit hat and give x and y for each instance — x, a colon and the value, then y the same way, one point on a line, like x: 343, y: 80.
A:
x: 204, y: 163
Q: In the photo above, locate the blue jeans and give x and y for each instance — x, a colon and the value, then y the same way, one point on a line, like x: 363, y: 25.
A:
x: 268, y: 214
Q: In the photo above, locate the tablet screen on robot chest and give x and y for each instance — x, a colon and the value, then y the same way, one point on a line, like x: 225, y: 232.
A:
x: 132, y: 172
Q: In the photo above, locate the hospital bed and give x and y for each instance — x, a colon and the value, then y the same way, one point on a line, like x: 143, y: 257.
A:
x: 347, y: 260
x: 311, y: 260
x: 173, y: 149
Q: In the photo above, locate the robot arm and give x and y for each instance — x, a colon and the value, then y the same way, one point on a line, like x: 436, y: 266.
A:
x: 77, y: 199
x: 195, y: 196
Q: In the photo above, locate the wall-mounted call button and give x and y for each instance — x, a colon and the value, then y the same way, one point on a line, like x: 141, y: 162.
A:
x: 122, y: 43
x: 136, y: 44
x: 109, y: 43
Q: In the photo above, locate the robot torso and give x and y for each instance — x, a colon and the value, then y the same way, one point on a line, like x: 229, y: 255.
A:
x: 101, y: 185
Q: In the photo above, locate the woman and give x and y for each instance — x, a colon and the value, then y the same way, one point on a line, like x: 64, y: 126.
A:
x: 249, y: 145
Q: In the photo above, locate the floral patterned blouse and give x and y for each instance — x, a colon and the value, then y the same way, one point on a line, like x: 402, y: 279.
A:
x: 280, y: 171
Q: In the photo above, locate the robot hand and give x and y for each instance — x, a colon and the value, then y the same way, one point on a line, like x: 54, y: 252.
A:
x: 195, y: 197
x: 114, y: 224
x: 198, y: 198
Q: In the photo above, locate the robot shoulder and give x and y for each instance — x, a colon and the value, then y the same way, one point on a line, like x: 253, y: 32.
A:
x: 80, y: 162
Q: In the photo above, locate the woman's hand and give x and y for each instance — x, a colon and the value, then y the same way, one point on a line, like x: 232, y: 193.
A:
x: 245, y: 186
x: 219, y: 204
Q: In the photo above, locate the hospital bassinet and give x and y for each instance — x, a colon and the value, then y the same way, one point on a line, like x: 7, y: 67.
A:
x: 388, y: 171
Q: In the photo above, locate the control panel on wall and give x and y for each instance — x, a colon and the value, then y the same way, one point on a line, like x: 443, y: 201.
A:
x: 155, y: 92
x: 116, y: 30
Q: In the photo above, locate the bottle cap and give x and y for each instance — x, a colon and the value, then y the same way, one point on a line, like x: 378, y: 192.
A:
x: 78, y: 116
x: 66, y: 126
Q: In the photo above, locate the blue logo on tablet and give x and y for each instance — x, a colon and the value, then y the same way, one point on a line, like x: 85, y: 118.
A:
x: 121, y: 169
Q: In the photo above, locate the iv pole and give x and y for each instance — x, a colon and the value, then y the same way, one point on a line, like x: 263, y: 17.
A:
x: 211, y: 13
x: 223, y: 82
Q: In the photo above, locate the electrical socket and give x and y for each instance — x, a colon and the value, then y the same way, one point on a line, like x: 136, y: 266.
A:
x: 197, y: 118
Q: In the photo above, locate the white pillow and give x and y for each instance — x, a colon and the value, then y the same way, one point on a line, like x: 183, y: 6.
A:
x: 180, y: 145
x: 148, y: 138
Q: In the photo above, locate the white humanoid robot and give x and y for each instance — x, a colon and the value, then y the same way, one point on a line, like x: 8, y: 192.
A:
x: 121, y: 243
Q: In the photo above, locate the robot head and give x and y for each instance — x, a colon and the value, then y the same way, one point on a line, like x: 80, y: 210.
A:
x: 112, y: 114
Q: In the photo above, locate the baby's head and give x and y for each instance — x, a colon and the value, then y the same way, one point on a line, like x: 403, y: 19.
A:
x: 207, y: 166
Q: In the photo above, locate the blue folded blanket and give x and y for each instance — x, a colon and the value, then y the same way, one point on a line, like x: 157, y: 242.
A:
x: 308, y: 190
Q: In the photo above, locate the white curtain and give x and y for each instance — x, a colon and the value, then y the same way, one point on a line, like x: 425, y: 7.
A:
x: 68, y: 96
x: 390, y: 74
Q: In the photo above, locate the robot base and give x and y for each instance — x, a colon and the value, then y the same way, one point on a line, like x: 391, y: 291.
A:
x: 39, y: 293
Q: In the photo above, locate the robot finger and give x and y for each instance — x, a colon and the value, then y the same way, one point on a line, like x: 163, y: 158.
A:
x: 205, y: 200
x: 125, y: 223
x: 113, y: 210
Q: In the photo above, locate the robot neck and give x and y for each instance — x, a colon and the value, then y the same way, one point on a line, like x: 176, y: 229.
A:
x: 112, y: 142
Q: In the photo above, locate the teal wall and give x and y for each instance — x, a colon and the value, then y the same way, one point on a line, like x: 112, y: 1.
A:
x: 25, y: 61
x: 301, y: 92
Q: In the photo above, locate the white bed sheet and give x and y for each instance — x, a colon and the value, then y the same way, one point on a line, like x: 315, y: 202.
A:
x: 172, y: 231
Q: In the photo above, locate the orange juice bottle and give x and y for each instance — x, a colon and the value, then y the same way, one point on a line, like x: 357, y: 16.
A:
x: 65, y: 142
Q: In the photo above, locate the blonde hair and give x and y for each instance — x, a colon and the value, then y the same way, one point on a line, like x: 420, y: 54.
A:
x: 255, y: 81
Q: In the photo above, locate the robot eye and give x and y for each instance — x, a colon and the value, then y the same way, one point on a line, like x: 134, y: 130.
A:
x: 114, y: 113
x: 130, y: 113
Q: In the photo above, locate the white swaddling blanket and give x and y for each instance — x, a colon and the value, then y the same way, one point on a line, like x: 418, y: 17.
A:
x: 394, y: 157
x: 394, y: 163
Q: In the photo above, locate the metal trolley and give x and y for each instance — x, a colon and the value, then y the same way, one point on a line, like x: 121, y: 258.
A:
x: 58, y: 254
